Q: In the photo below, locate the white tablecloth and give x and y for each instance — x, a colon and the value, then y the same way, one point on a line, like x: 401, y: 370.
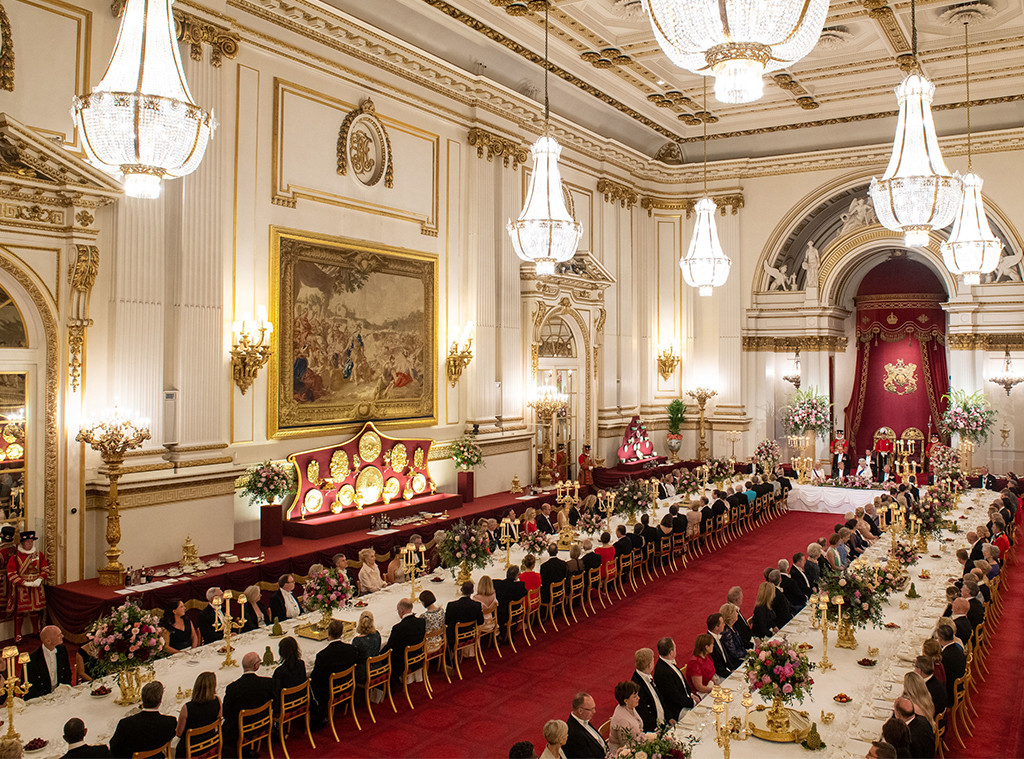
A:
x: 829, y: 500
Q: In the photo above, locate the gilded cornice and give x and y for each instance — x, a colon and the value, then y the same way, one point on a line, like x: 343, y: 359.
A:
x: 793, y: 343
x: 881, y: 14
x: 788, y: 83
x: 732, y: 201
x: 985, y: 341
x: 497, y: 146
x: 615, y: 192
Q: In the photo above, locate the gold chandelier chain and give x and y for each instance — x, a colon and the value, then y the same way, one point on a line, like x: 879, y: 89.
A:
x: 704, y: 124
x: 967, y: 76
x: 547, y: 65
x: 913, y: 30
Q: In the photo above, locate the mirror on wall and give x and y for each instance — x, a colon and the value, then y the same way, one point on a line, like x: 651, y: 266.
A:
x: 12, y: 446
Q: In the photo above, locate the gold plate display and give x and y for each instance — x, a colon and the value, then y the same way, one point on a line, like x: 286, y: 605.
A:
x: 339, y: 465
x: 417, y: 458
x: 369, y: 446
x: 399, y: 457
x: 370, y: 483
x: 15, y: 451
x: 336, y: 505
x: 419, y: 482
x: 392, y: 488
x: 346, y: 495
x: 313, y: 472
x: 313, y: 501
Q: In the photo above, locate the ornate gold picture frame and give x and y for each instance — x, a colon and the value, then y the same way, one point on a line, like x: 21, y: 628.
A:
x: 355, y: 337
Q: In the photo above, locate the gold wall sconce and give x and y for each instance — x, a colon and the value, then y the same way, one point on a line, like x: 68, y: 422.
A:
x: 459, y: 357
x: 250, y: 347
x: 667, y: 361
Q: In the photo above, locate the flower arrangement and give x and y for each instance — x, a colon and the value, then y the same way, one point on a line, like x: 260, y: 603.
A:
x: 934, y: 503
x: 809, y: 413
x: 767, y: 454
x: 778, y: 670
x: 888, y: 581
x: 857, y: 586
x: 127, y: 639
x: 946, y: 462
x: 327, y: 589
x: 849, y: 481
x: 590, y: 523
x: 267, y: 482
x: 686, y: 483
x: 905, y: 553
x: 632, y: 497
x: 463, y: 545
x: 534, y: 542
x: 970, y: 416
x: 661, y: 744
x: 719, y: 469
x: 466, y: 453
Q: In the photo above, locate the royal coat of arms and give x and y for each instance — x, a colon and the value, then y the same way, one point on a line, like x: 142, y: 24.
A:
x: 900, y: 378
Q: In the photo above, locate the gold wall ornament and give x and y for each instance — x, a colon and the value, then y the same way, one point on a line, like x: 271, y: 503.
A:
x: 615, y: 192
x: 459, y: 355
x: 251, y: 348
x: 731, y: 201
x: 900, y: 378
x: 339, y: 465
x: 7, y: 53
x: 791, y: 344
x: 365, y: 147
x: 399, y: 457
x: 985, y: 341
x: 702, y: 395
x: 667, y: 362
x: 81, y: 276
x: 113, y: 435
x: 497, y: 146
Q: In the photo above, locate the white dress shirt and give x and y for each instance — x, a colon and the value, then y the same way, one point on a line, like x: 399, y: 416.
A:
x: 291, y: 606
x: 590, y: 729
x: 50, y: 657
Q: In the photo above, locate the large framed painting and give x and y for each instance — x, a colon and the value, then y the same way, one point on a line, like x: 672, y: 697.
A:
x: 356, y: 327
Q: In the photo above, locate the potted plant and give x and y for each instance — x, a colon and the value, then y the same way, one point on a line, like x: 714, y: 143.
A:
x: 466, y: 454
x: 676, y: 412
x: 268, y: 484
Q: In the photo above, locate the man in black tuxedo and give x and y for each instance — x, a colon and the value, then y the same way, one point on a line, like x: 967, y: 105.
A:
x: 781, y: 605
x: 336, y: 657
x: 74, y: 736
x: 637, y: 536
x: 679, y: 525
x: 48, y: 666
x: 735, y: 597
x: 780, y: 475
x: 409, y: 631
x: 148, y: 729
x: 573, y: 515
x: 800, y: 578
x: 922, y: 737
x: 544, y: 519
x: 724, y: 665
x: 623, y: 545
x: 209, y: 616
x: 953, y: 659
x: 970, y: 590
x: 250, y: 691
x: 584, y: 741
x: 718, y: 507
x: 671, y: 684
x: 590, y: 559
x: 551, y: 571
x: 925, y: 667
x: 958, y: 613
x: 493, y: 535
x: 736, y: 501
x: 510, y: 590
x: 706, y: 517
x: 652, y: 535
x: 976, y: 550
x: 283, y: 603
x: 461, y: 610
x: 651, y: 709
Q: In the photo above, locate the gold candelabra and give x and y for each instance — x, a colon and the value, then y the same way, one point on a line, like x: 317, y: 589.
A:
x: 667, y: 362
x: 567, y: 535
x: 13, y: 686
x: 824, y: 665
x: 250, y: 347
x: 112, y: 436
x: 702, y: 395
x: 409, y: 554
x: 728, y: 729
x: 733, y: 436
x: 803, y: 466
x: 547, y: 401
x: 459, y: 356
x: 228, y: 624
x: 508, y: 537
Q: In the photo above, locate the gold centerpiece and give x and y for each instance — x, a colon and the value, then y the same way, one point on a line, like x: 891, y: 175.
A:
x: 702, y: 395
x: 227, y: 624
x: 844, y: 630
x: 189, y: 554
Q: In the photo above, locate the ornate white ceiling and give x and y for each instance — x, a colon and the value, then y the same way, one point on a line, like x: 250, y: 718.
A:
x: 610, y: 77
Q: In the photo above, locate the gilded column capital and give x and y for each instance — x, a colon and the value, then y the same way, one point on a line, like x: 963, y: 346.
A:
x: 497, y: 147
x: 194, y: 32
x: 985, y: 341
x: 732, y: 202
x: 616, y: 192
x: 793, y: 343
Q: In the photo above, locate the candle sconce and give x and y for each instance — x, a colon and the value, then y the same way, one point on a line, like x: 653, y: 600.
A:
x: 250, y: 347
x: 667, y: 362
x: 459, y: 355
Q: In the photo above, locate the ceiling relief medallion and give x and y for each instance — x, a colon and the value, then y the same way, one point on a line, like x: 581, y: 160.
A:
x: 365, y: 148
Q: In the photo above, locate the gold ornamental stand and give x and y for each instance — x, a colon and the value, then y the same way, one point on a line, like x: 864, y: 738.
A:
x: 702, y: 395
x: 12, y: 686
x: 547, y: 402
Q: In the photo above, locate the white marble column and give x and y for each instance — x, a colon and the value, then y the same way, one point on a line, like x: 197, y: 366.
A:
x: 483, y: 227
x: 509, y: 366
x: 729, y: 297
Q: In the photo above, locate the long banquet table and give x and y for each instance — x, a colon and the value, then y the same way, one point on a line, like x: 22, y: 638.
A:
x: 873, y: 690
x: 830, y: 500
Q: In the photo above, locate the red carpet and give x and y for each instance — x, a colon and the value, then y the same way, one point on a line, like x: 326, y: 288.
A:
x: 513, y: 698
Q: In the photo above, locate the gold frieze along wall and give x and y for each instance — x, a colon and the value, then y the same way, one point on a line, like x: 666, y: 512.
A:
x: 791, y: 344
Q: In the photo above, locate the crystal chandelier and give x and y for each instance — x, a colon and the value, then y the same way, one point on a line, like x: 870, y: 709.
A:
x: 737, y: 41
x: 705, y: 266
x: 917, y: 193
x: 972, y: 249
x: 545, y: 231
x: 1009, y: 378
x: 141, y: 120
x: 794, y: 377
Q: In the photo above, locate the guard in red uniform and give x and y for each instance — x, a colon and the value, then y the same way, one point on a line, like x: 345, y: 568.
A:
x: 26, y: 571
x: 586, y: 464
x: 840, y: 455
x: 933, y: 442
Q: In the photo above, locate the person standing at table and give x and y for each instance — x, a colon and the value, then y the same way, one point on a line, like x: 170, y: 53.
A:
x: 148, y: 729
x: 202, y: 710
x: 27, y: 569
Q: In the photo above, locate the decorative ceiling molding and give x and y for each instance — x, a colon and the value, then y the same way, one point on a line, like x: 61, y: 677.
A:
x: 985, y: 341
x: 788, y: 83
x: 733, y: 201
x: 498, y: 147
x: 882, y: 14
x: 615, y: 192
x: 195, y: 31
x: 793, y: 343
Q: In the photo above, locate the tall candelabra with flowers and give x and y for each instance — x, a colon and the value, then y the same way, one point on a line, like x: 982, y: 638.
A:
x: 809, y: 412
x: 780, y: 673
x: 127, y: 642
x: 633, y: 497
x: 854, y: 602
x: 327, y: 589
x: 971, y: 417
x: 767, y: 454
x: 463, y: 546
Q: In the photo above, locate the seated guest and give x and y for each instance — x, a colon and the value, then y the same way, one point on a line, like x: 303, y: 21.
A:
x: 211, y: 616
x: 584, y: 741
x: 460, y: 611
x: 369, y: 579
x: 607, y: 553
x: 530, y: 520
x: 586, y: 508
x: 933, y: 650
x: 925, y: 667
x: 420, y: 557
x: 148, y: 729
x: 544, y: 523
x: 396, y: 569
x: 409, y: 631
x: 693, y: 519
x: 952, y: 593
x: 650, y: 708
x: 292, y: 669
x: 871, y: 517
x: 915, y: 689
x: 283, y: 604
x: 178, y: 632
x: 202, y: 709
x: 556, y: 733
x: 970, y: 591
x: 735, y: 651
x: 623, y: 543
x: 85, y: 666
x: 764, y: 623
x: 574, y: 565
x: 250, y: 691
x: 992, y: 554
x: 896, y: 733
x: 74, y: 736
x: 735, y: 597
x: 922, y: 737
x: 625, y: 722
x: 340, y: 562
x: 954, y: 662
x: 530, y: 577
x: 789, y: 587
x: 251, y: 611
x: 670, y: 682
x: 336, y: 657
x: 981, y: 571
x: 488, y: 600
x: 433, y: 615
x: 553, y: 570
x: 637, y: 536
x: 591, y: 558
x: 508, y: 591
x: 781, y: 606
x: 723, y: 664
x: 700, y: 670
x: 812, y: 567
x: 522, y: 750
x: 49, y: 665
x: 366, y: 643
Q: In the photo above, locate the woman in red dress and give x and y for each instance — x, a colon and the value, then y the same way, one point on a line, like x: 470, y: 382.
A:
x: 700, y: 670
x: 530, y: 520
x: 531, y: 579
x: 606, y: 551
